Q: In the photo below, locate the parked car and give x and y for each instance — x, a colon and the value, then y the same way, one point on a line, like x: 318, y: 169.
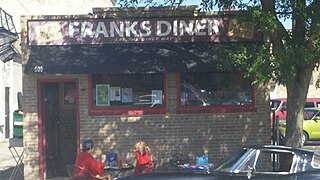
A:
x: 311, y: 125
x: 279, y: 106
x: 263, y: 162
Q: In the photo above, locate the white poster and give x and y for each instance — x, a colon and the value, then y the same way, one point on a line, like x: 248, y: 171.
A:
x: 126, y: 95
x: 156, y: 96
x: 115, y: 94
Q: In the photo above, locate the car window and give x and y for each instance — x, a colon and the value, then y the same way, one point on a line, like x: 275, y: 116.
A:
x: 309, y: 114
x: 249, y: 162
x: 318, y: 104
x: 284, y: 106
x: 308, y: 104
x: 267, y: 162
x: 228, y: 163
x: 275, y: 104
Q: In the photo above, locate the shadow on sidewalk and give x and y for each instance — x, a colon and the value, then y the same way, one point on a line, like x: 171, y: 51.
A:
x: 5, y: 174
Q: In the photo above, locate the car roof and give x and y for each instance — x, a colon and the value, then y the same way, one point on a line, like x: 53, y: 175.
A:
x: 276, y: 147
x: 278, y: 99
x: 313, y: 99
x: 312, y: 108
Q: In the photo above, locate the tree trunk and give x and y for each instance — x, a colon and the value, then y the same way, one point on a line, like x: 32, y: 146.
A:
x: 297, y: 90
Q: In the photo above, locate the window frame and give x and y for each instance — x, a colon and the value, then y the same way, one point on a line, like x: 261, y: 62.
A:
x: 126, y: 111
x: 213, y: 109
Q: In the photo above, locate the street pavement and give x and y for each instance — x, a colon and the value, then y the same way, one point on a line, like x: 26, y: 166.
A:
x: 7, y: 162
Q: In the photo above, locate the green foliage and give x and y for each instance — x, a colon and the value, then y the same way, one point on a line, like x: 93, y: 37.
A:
x: 252, y: 58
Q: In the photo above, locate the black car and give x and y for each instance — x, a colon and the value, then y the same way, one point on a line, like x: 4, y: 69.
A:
x: 265, y: 162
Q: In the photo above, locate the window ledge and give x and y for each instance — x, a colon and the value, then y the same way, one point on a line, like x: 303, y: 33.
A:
x: 213, y: 110
x: 126, y: 112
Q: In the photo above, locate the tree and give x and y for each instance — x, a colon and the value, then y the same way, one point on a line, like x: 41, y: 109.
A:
x: 286, y: 56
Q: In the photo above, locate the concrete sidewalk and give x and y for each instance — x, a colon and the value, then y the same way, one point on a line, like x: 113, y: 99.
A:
x: 7, y: 162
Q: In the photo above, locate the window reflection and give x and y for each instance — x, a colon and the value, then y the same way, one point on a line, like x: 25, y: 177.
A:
x: 70, y: 92
x: 215, y: 89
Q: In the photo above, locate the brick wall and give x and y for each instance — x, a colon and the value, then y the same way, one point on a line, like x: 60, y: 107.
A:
x: 217, y: 135
x: 30, y: 127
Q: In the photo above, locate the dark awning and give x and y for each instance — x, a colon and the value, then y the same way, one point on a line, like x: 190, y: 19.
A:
x: 125, y: 58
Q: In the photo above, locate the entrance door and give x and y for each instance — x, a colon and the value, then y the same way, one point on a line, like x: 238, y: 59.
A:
x: 59, y: 126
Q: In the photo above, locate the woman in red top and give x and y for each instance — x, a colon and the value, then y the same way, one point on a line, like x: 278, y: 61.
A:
x: 144, y: 164
x: 89, y: 165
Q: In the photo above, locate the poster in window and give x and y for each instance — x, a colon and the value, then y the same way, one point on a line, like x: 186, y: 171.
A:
x: 102, y: 95
x: 126, y: 95
x: 156, y: 96
x: 115, y: 94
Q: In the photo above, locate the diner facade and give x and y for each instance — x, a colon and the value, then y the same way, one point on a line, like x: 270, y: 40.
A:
x: 118, y: 76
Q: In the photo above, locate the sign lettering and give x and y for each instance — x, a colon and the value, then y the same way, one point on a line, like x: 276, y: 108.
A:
x: 107, y: 31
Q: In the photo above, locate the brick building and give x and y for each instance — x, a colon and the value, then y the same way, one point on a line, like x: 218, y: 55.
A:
x: 280, y: 91
x: 119, y: 76
x: 11, y: 73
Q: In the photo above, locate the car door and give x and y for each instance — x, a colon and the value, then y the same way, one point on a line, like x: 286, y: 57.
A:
x: 312, y: 127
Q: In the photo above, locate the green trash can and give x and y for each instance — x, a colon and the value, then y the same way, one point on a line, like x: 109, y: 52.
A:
x: 18, y: 124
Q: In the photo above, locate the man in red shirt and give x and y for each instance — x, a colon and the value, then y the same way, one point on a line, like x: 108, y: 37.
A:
x: 89, y: 165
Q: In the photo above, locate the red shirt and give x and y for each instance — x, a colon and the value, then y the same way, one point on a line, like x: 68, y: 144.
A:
x: 89, y: 165
x: 142, y: 161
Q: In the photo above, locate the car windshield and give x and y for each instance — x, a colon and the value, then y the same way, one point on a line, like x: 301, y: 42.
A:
x: 227, y: 163
x: 316, y: 161
x: 310, y: 113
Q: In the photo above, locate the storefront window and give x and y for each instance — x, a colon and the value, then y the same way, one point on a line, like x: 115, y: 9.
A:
x: 126, y: 91
x: 215, y: 89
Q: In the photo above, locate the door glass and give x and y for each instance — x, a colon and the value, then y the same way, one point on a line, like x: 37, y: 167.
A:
x: 69, y: 91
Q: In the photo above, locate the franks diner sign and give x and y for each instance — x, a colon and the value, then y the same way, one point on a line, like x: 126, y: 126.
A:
x: 142, y: 30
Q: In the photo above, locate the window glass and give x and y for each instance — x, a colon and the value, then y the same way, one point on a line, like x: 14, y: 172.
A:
x: 227, y: 164
x: 308, y: 104
x: 248, y: 163
x: 309, y: 114
x: 267, y: 162
x: 284, y: 106
x: 215, y: 89
x: 131, y: 90
x: 69, y: 92
x: 275, y: 104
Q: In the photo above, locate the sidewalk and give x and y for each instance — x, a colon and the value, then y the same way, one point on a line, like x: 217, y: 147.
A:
x: 7, y: 162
